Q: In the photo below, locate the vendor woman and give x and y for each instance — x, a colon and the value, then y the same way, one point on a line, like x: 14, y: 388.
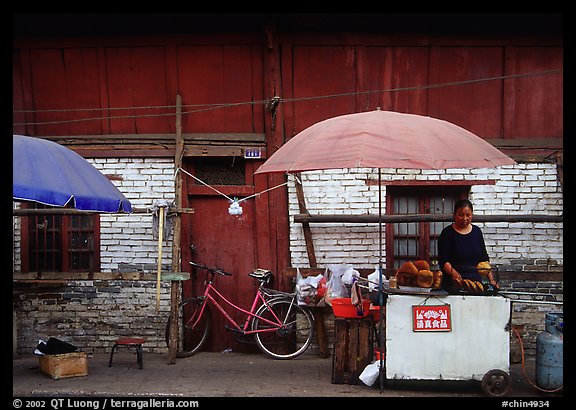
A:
x: 461, y: 247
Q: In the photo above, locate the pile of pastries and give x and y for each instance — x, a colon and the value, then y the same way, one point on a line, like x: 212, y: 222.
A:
x: 473, y: 286
x: 418, y: 274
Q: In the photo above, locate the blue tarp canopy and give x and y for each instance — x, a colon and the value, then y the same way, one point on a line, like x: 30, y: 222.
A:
x: 49, y: 173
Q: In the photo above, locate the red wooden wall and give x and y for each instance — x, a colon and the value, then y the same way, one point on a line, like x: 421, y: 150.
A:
x: 112, y: 86
x: 395, y: 78
x: 132, y: 89
x: 128, y: 85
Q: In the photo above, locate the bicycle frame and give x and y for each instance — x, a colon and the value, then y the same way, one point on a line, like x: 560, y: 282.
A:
x: 277, y: 324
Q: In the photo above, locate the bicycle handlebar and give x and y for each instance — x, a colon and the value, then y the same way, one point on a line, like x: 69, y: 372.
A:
x: 211, y: 270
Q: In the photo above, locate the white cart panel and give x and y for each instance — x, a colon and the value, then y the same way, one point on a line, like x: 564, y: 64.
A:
x: 478, y: 342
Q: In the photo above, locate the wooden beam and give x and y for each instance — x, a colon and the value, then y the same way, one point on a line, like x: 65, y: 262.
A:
x: 157, y: 139
x: 318, y: 314
x: 307, y: 218
x: 560, y: 163
x: 46, y: 277
x: 305, y: 226
x: 527, y: 143
x: 290, y: 272
x: 72, y: 211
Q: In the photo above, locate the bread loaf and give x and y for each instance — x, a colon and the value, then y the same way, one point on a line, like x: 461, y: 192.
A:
x: 458, y: 284
x: 405, y: 279
x: 484, y: 268
x: 437, y: 279
x: 425, y: 278
x: 422, y: 265
x: 409, y: 268
x: 472, y: 286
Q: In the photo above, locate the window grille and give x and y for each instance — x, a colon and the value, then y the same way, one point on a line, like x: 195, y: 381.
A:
x: 220, y: 170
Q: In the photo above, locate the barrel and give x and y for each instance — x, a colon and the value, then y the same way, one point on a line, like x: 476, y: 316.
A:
x: 549, y: 353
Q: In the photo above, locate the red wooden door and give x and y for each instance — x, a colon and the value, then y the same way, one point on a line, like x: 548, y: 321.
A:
x: 216, y: 238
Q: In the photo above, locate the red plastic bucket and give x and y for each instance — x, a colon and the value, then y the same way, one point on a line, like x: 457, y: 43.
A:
x: 343, y: 307
x: 375, y: 312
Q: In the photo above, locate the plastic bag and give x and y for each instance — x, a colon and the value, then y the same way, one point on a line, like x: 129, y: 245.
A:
x: 374, y: 280
x: 350, y: 275
x: 54, y: 346
x: 370, y: 373
x: 336, y: 287
x: 310, y: 291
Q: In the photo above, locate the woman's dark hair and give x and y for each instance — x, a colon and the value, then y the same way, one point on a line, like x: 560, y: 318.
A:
x: 463, y: 203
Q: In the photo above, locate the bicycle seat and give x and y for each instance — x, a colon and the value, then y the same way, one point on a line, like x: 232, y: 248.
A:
x: 261, y: 274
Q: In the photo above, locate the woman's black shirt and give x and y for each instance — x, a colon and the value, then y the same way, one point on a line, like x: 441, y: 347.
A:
x: 463, y: 251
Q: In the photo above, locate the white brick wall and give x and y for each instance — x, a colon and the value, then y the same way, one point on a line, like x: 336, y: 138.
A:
x: 92, y: 314
x: 129, y: 238
x: 522, y: 188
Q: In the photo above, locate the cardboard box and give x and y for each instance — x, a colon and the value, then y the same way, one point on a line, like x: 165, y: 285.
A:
x: 59, y: 366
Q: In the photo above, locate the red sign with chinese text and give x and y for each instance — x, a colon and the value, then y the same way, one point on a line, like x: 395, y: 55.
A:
x: 431, y: 318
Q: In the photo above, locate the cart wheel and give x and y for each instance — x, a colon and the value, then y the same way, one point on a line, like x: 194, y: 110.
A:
x: 496, y: 383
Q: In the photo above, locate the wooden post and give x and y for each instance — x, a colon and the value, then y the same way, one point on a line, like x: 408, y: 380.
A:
x: 160, y: 240
x: 317, y: 312
x: 176, y: 248
x: 305, y: 226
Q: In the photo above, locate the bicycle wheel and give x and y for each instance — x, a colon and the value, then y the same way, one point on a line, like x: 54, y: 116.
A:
x: 290, y: 340
x: 190, y: 338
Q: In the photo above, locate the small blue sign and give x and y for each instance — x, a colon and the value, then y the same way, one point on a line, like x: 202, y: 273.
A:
x: 253, y: 153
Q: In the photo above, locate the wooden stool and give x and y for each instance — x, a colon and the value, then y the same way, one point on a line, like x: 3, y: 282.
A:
x: 129, y: 342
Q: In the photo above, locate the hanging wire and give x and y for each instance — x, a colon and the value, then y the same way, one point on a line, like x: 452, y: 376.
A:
x: 276, y: 100
x: 223, y: 194
x: 266, y: 190
x: 204, y: 183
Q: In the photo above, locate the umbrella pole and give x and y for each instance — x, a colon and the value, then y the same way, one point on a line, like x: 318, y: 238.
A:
x: 380, y: 289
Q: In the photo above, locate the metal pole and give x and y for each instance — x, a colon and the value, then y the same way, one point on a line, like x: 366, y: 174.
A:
x: 380, y: 289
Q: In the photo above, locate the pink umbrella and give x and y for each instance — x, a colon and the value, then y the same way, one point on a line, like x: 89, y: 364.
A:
x: 384, y: 139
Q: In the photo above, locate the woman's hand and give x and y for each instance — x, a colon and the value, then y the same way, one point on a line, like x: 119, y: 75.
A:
x: 453, y: 272
x: 456, y: 276
x: 493, y: 281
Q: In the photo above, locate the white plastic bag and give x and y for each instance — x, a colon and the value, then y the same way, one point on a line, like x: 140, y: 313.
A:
x: 350, y: 275
x: 310, y: 291
x: 335, y: 286
x: 374, y: 280
x: 370, y: 373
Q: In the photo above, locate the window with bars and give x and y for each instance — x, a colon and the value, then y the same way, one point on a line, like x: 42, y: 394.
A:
x: 409, y: 241
x: 220, y: 170
x: 60, y: 243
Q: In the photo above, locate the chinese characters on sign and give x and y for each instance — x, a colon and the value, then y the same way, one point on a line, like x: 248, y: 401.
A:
x: 431, y: 318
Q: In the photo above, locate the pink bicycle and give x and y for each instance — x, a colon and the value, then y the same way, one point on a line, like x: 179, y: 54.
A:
x: 282, y: 329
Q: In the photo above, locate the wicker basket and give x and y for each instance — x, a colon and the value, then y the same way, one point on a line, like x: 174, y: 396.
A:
x: 60, y: 366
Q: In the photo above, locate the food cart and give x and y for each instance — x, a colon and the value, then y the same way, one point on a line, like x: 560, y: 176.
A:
x: 441, y: 336
x: 371, y: 134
